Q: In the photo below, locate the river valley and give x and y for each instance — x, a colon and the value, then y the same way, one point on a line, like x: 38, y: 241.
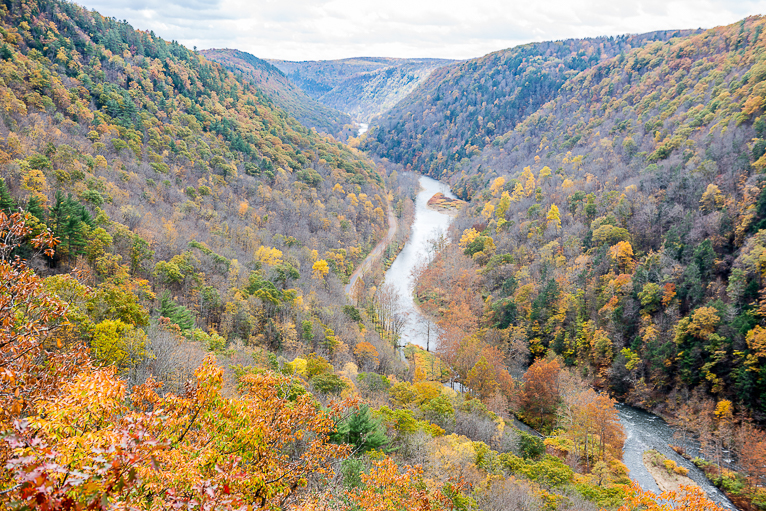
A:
x: 427, y: 225
x: 643, y: 430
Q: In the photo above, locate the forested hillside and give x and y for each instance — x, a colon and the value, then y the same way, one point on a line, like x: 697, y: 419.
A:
x: 361, y: 87
x: 174, y: 332
x: 283, y: 92
x: 620, y: 227
x: 460, y: 109
x: 173, y: 327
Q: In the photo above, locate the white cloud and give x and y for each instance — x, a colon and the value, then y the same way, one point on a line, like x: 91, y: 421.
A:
x: 330, y: 29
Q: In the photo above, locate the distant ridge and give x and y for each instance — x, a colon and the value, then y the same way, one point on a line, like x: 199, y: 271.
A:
x: 460, y: 109
x: 363, y: 87
x: 282, y: 91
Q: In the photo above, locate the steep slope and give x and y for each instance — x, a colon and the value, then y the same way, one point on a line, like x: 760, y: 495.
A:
x: 183, y: 175
x: 459, y: 109
x: 284, y: 93
x: 620, y: 224
x: 361, y: 87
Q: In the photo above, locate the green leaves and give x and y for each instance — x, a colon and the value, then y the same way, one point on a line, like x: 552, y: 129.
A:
x: 362, y: 431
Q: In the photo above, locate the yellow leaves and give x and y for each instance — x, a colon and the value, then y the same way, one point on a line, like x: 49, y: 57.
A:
x: 488, y: 210
x: 704, y: 322
x: 756, y: 342
x: 468, y: 236
x: 554, y: 217
x: 622, y: 254
x: 712, y: 199
x: 518, y: 193
x: 268, y: 256
x: 502, y: 206
x: 118, y: 344
x: 320, y: 269
x: 723, y: 409
x: 497, y: 185
x: 34, y: 181
x: 529, y: 181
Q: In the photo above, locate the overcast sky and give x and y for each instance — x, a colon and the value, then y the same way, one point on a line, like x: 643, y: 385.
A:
x: 460, y: 29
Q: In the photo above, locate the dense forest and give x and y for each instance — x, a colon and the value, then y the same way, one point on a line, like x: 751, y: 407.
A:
x: 283, y: 92
x: 174, y: 245
x: 616, y: 223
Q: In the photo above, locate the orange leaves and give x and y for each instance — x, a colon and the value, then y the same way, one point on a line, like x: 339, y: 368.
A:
x: 28, y: 315
x: 258, y: 447
x: 540, y: 395
x: 385, y: 488
x: 366, y: 354
x: 690, y: 498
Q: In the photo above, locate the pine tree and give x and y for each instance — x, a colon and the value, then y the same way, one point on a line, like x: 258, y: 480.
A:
x: 362, y: 431
x: 176, y: 313
x: 7, y: 204
x: 71, y: 222
x: 35, y: 208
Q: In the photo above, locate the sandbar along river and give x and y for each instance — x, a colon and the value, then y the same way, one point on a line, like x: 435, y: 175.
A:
x: 645, y: 431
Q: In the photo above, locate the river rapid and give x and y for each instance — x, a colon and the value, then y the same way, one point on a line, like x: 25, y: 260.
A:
x: 426, y: 226
x: 643, y: 431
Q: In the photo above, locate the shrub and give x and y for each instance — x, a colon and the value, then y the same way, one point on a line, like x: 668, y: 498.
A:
x: 530, y: 446
x: 329, y: 383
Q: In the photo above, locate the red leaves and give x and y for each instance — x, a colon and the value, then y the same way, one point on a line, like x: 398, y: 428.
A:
x: 44, y: 482
x: 28, y: 315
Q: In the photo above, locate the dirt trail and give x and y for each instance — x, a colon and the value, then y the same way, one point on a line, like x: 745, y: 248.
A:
x: 376, y: 252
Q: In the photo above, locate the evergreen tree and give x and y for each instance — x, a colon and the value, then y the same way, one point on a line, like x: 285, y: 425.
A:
x: 176, y: 313
x: 362, y: 431
x: 7, y: 204
x: 35, y: 208
x: 70, y: 222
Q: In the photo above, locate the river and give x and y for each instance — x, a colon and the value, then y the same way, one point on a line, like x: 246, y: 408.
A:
x: 427, y: 225
x: 643, y: 431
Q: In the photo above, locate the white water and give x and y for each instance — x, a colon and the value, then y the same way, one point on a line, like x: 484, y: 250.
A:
x: 645, y: 431
x: 363, y: 127
x: 427, y: 225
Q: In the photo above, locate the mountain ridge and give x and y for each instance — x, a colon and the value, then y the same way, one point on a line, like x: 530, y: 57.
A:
x: 285, y: 94
x: 363, y: 87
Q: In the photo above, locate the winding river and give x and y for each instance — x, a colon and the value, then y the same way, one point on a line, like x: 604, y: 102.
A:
x: 426, y: 226
x: 643, y: 430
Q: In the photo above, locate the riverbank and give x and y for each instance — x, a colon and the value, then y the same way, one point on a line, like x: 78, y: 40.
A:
x: 429, y: 224
x: 666, y: 473
x: 644, y: 432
